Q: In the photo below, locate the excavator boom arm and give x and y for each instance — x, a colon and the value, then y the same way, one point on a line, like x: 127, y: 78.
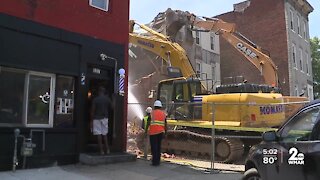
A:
x: 252, y: 53
x: 132, y: 23
x: 260, y: 60
x: 171, y: 52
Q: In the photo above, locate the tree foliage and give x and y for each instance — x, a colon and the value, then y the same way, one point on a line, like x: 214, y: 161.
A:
x: 315, y: 55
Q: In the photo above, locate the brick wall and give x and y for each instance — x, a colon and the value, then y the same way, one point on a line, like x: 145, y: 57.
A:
x: 75, y: 16
x: 263, y: 22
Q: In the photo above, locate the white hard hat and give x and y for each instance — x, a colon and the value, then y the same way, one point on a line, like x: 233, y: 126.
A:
x: 157, y: 103
x: 149, y: 109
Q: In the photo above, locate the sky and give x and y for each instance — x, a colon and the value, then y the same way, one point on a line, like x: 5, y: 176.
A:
x: 143, y: 11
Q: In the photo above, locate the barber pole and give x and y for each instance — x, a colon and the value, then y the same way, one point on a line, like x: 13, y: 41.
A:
x: 121, y: 81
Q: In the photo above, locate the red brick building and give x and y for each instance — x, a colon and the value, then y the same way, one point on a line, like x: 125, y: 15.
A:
x: 54, y: 56
x: 267, y: 23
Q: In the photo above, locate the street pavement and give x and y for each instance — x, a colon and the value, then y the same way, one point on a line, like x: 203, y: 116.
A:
x: 138, y: 170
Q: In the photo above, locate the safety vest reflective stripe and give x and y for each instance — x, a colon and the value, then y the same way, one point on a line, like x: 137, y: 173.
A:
x: 155, y: 122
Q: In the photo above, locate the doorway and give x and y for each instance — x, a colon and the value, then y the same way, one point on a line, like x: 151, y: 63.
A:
x: 93, y: 87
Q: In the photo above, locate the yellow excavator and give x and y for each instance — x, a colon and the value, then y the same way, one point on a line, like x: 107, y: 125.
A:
x: 252, y: 53
x: 238, y: 116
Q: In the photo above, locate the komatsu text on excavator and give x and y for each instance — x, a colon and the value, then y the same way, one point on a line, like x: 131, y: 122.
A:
x: 189, y: 107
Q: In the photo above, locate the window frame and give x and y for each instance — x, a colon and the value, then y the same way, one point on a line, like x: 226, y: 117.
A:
x: 213, y: 73
x: 294, y: 56
x: 212, y: 42
x: 198, y: 37
x: 205, y: 56
x: 198, y: 64
x: 298, y: 26
x: 56, y: 115
x: 307, y: 34
x: 307, y: 63
x: 165, y: 94
x: 301, y: 60
x: 21, y: 122
x: 310, y: 93
x: 107, y: 5
x: 304, y: 30
x: 52, y: 99
x: 291, y: 21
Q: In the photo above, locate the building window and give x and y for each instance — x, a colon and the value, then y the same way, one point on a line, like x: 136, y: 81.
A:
x: 100, y: 4
x: 11, y: 104
x: 291, y: 21
x: 211, y: 57
x: 298, y: 26
x: 198, y: 68
x: 307, y: 63
x: 64, y: 102
x: 205, y: 58
x: 27, y: 99
x: 39, y: 100
x: 304, y: 30
x: 197, y: 37
x: 212, y: 42
x: 294, y: 56
x: 301, y: 59
x: 310, y: 89
x: 213, y: 73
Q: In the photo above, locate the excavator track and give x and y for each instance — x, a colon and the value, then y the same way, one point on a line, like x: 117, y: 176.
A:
x: 228, y: 150
x: 184, y: 142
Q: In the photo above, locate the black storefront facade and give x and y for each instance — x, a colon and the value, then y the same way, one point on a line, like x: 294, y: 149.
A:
x: 47, y: 78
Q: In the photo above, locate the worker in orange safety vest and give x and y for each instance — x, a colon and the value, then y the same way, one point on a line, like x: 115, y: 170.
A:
x: 157, y: 130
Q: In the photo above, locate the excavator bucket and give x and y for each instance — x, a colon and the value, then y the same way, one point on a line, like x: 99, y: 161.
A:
x: 131, y: 26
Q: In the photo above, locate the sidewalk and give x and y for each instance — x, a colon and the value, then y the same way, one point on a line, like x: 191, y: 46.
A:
x: 138, y: 170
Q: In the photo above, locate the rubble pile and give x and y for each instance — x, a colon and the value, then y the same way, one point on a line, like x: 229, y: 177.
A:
x: 166, y: 155
x: 135, y: 138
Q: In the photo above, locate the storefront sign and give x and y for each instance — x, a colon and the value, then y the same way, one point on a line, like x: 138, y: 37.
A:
x: 64, y: 106
x: 83, y: 79
x: 96, y: 71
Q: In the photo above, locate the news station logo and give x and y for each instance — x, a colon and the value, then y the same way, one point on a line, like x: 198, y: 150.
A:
x: 295, y: 158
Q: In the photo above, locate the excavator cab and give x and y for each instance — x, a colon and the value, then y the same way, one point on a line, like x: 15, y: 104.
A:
x: 178, y: 98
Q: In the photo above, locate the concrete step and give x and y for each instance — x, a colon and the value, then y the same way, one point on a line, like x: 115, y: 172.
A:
x: 96, y: 158
x: 92, y: 148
